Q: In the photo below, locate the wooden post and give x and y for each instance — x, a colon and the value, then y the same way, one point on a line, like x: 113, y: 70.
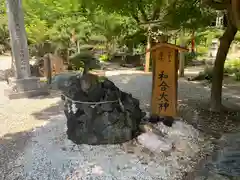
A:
x: 164, y: 88
x: 182, y: 56
x: 147, y: 58
x: 49, y: 69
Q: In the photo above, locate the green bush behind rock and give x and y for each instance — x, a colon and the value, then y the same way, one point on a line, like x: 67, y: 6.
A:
x: 85, y: 59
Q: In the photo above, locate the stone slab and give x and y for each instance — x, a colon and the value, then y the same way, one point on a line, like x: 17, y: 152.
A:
x: 25, y: 88
x: 26, y: 94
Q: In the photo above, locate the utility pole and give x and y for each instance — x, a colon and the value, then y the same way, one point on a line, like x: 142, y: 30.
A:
x: 23, y: 85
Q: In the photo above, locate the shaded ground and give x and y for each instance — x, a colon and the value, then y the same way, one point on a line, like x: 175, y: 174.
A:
x: 17, y: 124
x: 19, y: 117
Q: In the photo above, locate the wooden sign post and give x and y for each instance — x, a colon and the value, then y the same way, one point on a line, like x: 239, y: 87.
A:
x: 52, y: 63
x: 165, y: 75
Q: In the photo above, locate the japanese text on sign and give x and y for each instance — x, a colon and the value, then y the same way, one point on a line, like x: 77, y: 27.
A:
x: 163, y: 96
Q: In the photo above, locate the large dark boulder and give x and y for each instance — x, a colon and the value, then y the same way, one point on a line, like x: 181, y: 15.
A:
x: 108, y: 115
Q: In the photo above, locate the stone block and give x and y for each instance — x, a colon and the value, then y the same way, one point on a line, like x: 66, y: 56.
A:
x: 154, y: 142
x: 25, y: 88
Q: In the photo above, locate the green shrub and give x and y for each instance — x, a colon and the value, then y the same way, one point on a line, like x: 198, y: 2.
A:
x: 2, y: 49
x: 76, y: 61
x: 85, y: 60
x: 237, y: 76
x: 85, y: 47
x: 235, y: 63
x: 140, y: 68
x: 229, y: 70
x: 189, y: 57
x: 104, y: 57
x: 202, y: 50
x: 206, y: 74
x: 232, y: 66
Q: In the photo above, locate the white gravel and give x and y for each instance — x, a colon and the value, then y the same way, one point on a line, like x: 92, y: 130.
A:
x: 49, y: 155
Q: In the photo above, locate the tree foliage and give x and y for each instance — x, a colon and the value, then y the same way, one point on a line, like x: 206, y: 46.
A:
x: 110, y: 22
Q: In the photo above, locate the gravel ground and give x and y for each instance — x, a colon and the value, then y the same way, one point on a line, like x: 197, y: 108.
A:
x: 35, y: 145
x: 49, y: 155
x: 17, y: 120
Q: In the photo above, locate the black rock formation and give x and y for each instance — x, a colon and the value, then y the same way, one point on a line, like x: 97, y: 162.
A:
x: 115, y: 118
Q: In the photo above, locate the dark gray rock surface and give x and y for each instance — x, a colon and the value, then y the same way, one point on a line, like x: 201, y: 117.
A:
x: 115, y: 120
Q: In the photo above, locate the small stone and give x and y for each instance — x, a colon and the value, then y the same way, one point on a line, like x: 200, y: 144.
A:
x: 154, y: 143
x: 64, y: 148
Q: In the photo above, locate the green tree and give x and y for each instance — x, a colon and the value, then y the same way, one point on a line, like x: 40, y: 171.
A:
x: 4, y: 33
x: 113, y: 27
x: 163, y: 15
x: 225, y: 42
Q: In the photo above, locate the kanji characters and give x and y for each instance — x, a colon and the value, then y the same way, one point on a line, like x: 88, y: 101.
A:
x: 163, y: 106
x: 162, y: 76
x: 163, y: 86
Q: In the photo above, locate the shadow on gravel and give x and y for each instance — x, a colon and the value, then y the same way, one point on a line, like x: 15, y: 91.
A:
x: 49, y: 112
x: 11, y: 147
x: 16, y: 149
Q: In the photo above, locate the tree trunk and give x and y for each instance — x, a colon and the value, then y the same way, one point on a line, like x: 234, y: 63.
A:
x: 147, y: 58
x: 236, y: 12
x: 225, y: 42
x: 193, y: 42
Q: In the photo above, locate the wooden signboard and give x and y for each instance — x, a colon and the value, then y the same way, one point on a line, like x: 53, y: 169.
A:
x: 164, y: 88
x: 56, y: 64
